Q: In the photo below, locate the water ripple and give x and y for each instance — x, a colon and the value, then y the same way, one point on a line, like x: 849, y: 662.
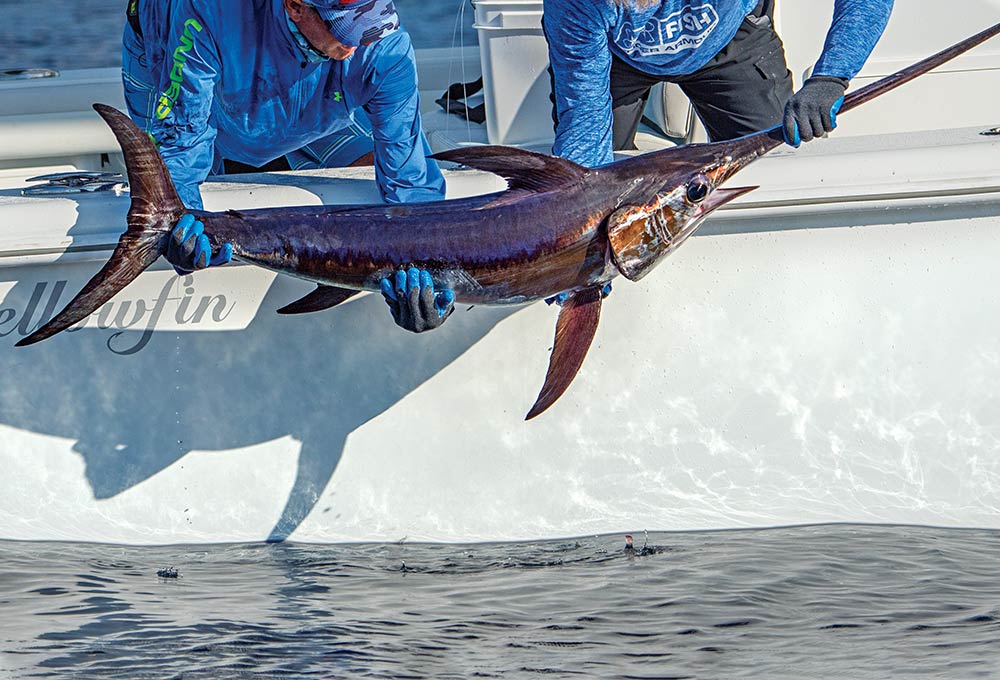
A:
x: 860, y: 602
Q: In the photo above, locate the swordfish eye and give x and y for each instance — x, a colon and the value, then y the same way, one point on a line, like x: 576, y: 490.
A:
x: 698, y: 190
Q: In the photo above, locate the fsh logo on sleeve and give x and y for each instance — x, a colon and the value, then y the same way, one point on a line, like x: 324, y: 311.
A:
x: 683, y: 30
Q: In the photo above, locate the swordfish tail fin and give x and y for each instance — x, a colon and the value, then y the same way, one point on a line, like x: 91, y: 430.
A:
x: 154, y: 212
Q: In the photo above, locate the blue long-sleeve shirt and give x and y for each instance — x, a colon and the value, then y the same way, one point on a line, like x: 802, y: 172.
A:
x: 668, y: 38
x: 226, y: 79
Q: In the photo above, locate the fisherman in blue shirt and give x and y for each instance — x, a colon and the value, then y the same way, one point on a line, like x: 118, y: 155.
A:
x: 282, y: 84
x: 724, y: 54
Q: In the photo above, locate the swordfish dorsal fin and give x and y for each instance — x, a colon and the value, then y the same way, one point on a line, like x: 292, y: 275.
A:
x: 522, y: 169
x: 323, y: 297
x: 575, y: 330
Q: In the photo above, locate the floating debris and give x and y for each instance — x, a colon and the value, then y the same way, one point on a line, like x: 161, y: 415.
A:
x: 629, y: 548
x: 645, y: 550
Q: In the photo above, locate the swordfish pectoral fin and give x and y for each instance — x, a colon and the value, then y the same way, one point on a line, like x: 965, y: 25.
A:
x: 575, y: 331
x: 322, y: 298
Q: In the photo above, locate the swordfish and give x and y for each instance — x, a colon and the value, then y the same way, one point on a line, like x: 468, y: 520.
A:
x: 558, y: 228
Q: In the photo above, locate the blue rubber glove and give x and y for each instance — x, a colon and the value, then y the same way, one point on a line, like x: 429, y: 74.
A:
x: 812, y: 111
x: 561, y: 298
x: 189, y: 249
x: 414, y: 304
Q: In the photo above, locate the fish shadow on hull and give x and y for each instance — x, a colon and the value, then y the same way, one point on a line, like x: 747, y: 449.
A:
x: 313, y: 378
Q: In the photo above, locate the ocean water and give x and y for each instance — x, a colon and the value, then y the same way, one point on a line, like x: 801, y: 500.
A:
x: 807, y: 602
x: 87, y: 33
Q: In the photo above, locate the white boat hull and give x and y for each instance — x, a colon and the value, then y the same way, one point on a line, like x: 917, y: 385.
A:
x: 825, y: 351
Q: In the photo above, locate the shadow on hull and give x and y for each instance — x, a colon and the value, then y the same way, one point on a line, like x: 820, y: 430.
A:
x: 136, y: 405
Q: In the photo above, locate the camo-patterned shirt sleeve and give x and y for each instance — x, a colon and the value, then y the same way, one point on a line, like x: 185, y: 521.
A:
x: 857, y: 26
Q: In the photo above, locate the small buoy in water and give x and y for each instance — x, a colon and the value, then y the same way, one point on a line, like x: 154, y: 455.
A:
x: 167, y: 572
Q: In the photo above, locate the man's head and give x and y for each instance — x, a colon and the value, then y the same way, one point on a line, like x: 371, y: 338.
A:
x: 338, y: 27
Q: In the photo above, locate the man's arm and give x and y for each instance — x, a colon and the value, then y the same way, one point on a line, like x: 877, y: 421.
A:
x: 857, y: 26
x: 403, y: 171
x: 172, y: 104
x: 581, y: 66
x: 185, y: 89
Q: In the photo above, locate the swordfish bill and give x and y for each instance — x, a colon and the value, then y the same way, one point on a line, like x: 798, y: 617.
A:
x: 557, y: 228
